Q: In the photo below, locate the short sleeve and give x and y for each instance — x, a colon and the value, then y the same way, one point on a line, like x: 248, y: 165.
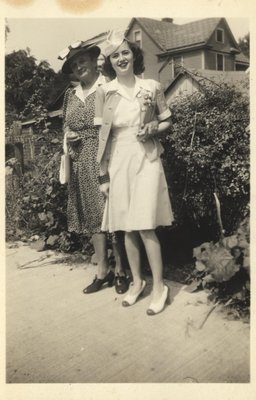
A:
x: 99, y: 103
x: 162, y: 109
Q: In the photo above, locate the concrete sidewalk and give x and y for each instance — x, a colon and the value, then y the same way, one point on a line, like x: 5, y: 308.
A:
x: 56, y: 334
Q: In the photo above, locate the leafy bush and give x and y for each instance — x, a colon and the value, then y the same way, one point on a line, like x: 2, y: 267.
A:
x: 207, y: 151
x: 42, y: 205
x: 223, y: 268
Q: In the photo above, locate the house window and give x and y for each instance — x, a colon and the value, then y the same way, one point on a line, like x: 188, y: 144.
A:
x: 220, y: 62
x: 220, y: 35
x: 137, y: 37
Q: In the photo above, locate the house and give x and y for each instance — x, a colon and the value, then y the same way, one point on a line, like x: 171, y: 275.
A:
x: 206, y: 44
x: 171, y: 53
x: 168, y: 47
x: 188, y: 82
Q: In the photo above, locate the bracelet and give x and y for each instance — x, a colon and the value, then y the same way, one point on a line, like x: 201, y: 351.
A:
x: 103, y: 178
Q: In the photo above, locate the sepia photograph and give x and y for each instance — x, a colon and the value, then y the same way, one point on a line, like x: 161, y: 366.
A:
x: 127, y: 228
x: 127, y: 202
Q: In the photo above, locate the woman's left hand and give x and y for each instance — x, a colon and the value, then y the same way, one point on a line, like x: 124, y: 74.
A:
x: 151, y: 128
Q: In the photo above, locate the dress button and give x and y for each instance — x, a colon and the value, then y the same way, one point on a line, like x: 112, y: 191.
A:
x: 143, y: 108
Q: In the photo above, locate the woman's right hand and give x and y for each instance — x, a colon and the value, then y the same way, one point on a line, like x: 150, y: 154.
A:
x: 104, y: 188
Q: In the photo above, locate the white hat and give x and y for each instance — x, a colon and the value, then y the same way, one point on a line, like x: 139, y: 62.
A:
x: 112, y: 42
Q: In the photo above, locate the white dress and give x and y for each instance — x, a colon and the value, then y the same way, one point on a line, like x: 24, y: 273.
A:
x: 138, y: 195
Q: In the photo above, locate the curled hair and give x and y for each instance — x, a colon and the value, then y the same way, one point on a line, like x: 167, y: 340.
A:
x: 138, y: 61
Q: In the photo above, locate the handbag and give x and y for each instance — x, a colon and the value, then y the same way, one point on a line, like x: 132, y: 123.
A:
x: 64, y: 174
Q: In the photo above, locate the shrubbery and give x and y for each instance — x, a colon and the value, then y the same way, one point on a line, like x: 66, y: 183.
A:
x: 42, y: 207
x: 207, y: 151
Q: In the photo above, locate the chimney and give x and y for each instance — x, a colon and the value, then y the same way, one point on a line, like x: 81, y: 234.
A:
x: 170, y: 20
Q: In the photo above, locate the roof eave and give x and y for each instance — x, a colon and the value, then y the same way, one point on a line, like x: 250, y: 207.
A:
x: 242, y: 62
x: 182, y: 48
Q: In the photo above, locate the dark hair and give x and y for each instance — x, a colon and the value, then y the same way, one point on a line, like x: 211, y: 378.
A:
x: 138, y: 63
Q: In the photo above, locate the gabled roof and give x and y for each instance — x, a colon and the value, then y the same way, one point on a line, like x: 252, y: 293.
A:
x: 211, y: 77
x: 169, y: 36
x: 192, y: 33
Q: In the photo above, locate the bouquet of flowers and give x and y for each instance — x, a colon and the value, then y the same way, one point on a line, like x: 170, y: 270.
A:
x: 148, y: 108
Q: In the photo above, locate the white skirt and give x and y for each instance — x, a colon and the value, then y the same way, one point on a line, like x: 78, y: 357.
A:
x: 138, y: 195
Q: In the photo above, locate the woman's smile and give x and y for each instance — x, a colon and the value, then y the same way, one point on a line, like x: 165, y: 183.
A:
x: 83, y: 66
x: 122, y: 59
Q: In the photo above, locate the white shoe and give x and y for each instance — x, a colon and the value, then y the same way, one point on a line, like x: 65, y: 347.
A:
x: 157, y: 307
x: 130, y: 299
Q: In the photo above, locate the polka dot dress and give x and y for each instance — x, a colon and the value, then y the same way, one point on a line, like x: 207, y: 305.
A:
x: 85, y: 201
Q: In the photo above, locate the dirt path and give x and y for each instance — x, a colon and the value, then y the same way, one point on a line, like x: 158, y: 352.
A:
x: 56, y: 334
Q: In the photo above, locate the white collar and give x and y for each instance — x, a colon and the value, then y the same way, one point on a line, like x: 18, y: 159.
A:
x: 115, y: 86
x: 79, y: 90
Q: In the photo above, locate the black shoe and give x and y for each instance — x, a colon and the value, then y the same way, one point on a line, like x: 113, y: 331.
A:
x: 98, y: 283
x: 121, y: 284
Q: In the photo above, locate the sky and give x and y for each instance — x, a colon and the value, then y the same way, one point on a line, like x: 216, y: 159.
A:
x: 46, y: 37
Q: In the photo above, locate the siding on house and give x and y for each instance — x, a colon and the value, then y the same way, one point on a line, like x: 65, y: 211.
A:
x: 210, y: 60
x: 186, y: 86
x: 193, y: 59
x: 229, y: 62
x: 165, y: 75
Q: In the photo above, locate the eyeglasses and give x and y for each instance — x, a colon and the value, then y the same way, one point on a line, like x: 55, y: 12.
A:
x: 64, y: 53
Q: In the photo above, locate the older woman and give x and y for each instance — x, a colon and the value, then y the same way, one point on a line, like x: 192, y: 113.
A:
x: 132, y: 113
x: 85, y: 201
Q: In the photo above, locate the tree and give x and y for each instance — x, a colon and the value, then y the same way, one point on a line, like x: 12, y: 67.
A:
x: 24, y: 77
x: 244, y: 45
x: 29, y: 86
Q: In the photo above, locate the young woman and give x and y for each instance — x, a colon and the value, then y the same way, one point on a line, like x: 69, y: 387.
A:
x: 131, y: 173
x: 85, y: 201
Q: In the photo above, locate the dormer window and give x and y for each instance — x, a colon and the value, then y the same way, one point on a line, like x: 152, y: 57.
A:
x: 219, y: 35
x: 137, y: 37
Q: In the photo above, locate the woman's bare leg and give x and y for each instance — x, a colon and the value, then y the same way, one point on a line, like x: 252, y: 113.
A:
x: 154, y: 254
x: 99, y: 241
x: 132, y: 246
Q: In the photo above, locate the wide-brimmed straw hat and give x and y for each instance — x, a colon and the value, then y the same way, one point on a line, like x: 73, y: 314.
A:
x: 72, y: 50
x: 114, y: 39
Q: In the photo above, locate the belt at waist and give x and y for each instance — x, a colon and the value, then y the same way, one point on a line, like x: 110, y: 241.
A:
x: 125, y: 133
